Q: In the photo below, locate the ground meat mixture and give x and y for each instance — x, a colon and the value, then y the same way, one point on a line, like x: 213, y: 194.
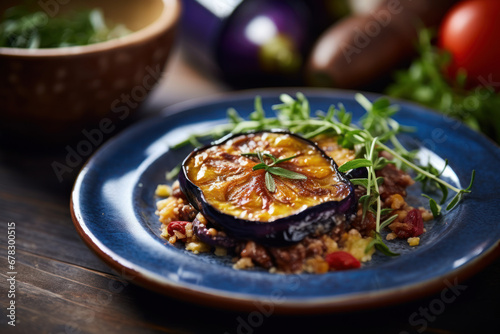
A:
x: 258, y: 254
x: 395, y: 182
x: 289, y: 259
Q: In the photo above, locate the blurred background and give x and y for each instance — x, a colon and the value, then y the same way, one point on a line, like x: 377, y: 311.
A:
x: 441, y: 54
x: 72, y: 69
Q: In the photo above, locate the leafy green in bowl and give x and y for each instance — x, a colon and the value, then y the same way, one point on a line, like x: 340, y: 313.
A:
x: 22, y: 27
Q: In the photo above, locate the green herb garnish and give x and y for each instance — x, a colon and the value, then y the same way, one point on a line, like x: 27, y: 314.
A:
x: 425, y: 82
x: 172, y: 174
x: 377, y: 133
x: 271, y: 169
x: 25, y: 28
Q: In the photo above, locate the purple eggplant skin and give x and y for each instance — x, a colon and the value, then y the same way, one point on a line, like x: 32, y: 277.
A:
x: 281, y: 232
x: 265, y: 42
x: 357, y: 173
x: 201, y: 231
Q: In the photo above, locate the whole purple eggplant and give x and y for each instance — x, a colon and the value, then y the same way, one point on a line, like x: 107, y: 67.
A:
x: 254, y: 42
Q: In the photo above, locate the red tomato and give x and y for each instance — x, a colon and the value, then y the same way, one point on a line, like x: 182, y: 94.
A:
x: 340, y: 260
x: 470, y: 31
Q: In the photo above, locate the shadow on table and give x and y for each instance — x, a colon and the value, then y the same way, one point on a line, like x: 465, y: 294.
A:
x: 475, y: 308
x: 54, y: 165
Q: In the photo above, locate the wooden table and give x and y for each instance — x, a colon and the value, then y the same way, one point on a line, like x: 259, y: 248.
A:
x: 62, y: 287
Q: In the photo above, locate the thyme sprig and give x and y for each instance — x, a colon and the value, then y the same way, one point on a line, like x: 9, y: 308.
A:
x: 371, y: 201
x: 272, y: 169
x: 377, y: 132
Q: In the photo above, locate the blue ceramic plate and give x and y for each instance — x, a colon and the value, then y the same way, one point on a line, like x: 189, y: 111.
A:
x: 113, y: 205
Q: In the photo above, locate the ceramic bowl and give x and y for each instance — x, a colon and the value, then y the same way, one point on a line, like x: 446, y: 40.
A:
x: 56, y: 93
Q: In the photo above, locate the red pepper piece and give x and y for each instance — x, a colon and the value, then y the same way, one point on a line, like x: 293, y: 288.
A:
x: 412, y: 225
x: 341, y: 260
x: 414, y: 219
x: 179, y: 226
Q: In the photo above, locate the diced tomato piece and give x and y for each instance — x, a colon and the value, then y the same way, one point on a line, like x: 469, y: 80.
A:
x: 411, y: 226
x: 179, y: 226
x: 414, y: 219
x: 341, y: 260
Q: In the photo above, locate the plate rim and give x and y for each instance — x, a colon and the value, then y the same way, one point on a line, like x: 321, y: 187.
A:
x: 232, y: 301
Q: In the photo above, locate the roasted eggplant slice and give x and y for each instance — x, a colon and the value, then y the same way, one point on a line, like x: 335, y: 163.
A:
x: 272, y: 187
